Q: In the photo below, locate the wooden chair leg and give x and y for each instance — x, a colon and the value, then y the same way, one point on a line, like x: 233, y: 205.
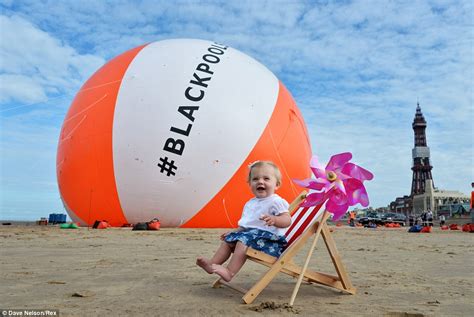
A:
x: 252, y: 293
x: 336, y: 260
x: 217, y: 283
x: 221, y: 282
x: 310, y: 253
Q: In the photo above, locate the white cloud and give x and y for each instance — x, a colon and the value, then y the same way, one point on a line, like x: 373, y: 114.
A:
x: 41, y: 64
x: 22, y: 88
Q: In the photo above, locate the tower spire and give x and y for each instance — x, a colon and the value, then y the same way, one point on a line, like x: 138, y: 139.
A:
x: 421, y: 154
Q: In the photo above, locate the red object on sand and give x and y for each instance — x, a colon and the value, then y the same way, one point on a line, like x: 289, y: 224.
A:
x: 154, y: 225
x: 103, y: 225
x: 426, y: 229
x: 468, y: 227
x: 444, y: 227
x: 453, y: 226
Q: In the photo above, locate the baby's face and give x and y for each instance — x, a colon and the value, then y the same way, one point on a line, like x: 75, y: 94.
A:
x: 263, y: 182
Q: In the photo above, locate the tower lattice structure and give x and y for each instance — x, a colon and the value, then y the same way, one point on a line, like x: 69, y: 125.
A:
x: 421, y: 155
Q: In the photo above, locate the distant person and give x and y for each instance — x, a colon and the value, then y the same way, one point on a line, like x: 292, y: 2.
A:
x: 261, y: 226
x: 442, y: 220
x: 429, y: 218
x: 423, y: 218
x: 352, y: 216
x: 411, y: 220
x: 417, y: 220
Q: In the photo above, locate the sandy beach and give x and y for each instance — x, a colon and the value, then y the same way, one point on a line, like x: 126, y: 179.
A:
x: 120, y: 272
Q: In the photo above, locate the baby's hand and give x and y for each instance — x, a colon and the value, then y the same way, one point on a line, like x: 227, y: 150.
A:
x: 224, y: 235
x: 269, y: 220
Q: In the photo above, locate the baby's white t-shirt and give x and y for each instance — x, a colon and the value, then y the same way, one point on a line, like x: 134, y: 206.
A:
x: 256, y: 207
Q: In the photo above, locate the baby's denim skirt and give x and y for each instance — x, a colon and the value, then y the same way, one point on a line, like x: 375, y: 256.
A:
x: 260, y: 240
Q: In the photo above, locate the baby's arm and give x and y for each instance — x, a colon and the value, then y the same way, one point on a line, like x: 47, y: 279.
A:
x: 282, y: 220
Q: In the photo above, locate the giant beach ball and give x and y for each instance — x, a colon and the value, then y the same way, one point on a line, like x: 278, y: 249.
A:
x: 167, y: 130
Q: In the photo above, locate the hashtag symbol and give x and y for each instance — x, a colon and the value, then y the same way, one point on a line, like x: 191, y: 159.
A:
x: 167, y: 166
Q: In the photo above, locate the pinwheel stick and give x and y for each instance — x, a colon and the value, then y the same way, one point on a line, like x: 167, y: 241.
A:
x: 308, y: 257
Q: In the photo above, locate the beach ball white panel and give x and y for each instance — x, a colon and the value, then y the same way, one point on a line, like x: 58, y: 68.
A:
x: 238, y: 103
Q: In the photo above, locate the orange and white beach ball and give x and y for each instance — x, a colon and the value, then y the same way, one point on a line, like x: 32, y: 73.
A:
x: 167, y: 130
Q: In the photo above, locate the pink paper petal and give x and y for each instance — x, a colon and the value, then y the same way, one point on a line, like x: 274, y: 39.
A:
x: 311, y: 183
x: 314, y: 162
x: 339, y: 185
x: 328, y: 187
x: 356, y: 171
x: 342, y: 176
x: 338, y: 210
x: 337, y: 161
x: 318, y: 172
x: 314, y: 199
x: 356, y: 193
x: 317, y: 168
x: 337, y: 196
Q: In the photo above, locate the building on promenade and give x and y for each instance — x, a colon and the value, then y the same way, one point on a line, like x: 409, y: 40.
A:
x: 447, y: 201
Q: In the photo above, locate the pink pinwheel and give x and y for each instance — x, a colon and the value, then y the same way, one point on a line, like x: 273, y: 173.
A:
x: 340, y: 183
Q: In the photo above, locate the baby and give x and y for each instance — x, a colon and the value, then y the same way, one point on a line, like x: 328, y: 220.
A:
x: 261, y: 226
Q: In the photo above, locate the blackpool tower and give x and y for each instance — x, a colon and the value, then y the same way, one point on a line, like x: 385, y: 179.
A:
x: 421, y: 155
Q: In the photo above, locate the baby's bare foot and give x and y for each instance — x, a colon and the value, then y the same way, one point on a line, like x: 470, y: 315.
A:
x: 205, y: 264
x: 222, y: 271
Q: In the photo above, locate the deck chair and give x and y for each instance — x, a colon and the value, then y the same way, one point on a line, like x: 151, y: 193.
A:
x: 306, y: 223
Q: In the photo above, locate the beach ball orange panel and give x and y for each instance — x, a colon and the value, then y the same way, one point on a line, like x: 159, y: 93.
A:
x: 167, y: 130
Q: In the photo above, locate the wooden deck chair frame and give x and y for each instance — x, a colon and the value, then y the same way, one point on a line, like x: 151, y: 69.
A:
x: 285, y: 264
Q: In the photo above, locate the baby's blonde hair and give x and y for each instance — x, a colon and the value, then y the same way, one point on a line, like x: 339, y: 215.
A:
x: 263, y: 163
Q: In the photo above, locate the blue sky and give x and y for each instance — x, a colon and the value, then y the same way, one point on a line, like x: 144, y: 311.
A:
x: 356, y: 69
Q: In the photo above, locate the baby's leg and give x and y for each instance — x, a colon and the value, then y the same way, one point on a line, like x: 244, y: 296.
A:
x: 205, y: 264
x: 222, y: 271
x: 235, y: 264
x: 221, y: 255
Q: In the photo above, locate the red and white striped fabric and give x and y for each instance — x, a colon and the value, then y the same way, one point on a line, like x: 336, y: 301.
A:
x: 301, y: 220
